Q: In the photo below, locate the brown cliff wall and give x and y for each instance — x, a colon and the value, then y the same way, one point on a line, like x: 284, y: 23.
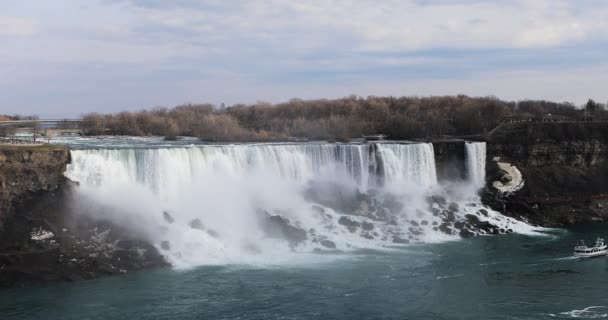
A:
x: 27, y: 171
x: 564, y: 166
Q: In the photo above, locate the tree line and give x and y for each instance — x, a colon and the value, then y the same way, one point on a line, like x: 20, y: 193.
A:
x: 336, y: 119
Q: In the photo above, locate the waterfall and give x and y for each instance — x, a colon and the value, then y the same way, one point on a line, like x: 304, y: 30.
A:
x: 238, y: 203
x: 476, y: 163
x: 168, y: 170
x: 408, y: 162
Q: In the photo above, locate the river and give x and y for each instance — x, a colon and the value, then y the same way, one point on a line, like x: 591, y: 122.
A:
x: 237, y: 272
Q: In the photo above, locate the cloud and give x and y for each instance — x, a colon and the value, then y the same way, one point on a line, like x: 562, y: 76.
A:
x: 139, y: 53
x: 16, y: 27
x: 386, y: 25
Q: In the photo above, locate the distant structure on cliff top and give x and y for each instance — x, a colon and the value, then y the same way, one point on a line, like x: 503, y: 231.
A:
x: 529, y: 117
x: 375, y: 137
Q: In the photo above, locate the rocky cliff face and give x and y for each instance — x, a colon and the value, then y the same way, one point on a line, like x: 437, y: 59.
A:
x: 45, y: 237
x: 449, y: 159
x: 28, y: 171
x: 550, y: 173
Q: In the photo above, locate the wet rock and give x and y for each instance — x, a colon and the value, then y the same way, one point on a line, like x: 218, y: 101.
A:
x: 435, y: 223
x: 483, y: 212
x: 400, y: 240
x: 339, y: 197
x: 445, y: 228
x: 213, y: 233
x: 438, y: 200
x: 349, y: 223
x: 424, y: 222
x: 466, y: 233
x: 459, y: 225
x: 454, y: 207
x: 392, y: 203
x: 196, y: 224
x: 252, y: 248
x: 449, y: 216
x: 435, y: 212
x: 367, y: 236
x: 477, y: 224
x: 328, y: 244
x: 472, y: 219
x: 168, y: 218
x: 415, y: 231
x: 165, y: 245
x: 318, y: 209
x: 276, y: 226
x: 414, y: 223
x: 367, y: 226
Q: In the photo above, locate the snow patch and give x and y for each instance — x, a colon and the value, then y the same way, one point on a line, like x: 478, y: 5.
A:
x: 41, y: 235
x: 514, y: 178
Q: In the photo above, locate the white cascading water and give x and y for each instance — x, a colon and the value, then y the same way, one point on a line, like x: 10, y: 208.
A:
x: 476, y: 163
x: 414, y: 163
x: 202, y: 205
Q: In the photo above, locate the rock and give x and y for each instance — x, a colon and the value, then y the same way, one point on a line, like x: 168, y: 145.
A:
x: 477, y: 224
x: 165, y: 245
x: 438, y: 200
x: 367, y: 226
x: 328, y: 244
x: 349, y: 223
x: 454, y: 207
x: 367, y: 236
x: 445, y: 228
x: 400, y: 240
x: 213, y: 233
x: 414, y: 223
x: 472, y: 219
x: 318, y: 209
x: 276, y: 226
x: 196, y: 224
x: 415, y: 231
x: 483, y: 212
x: 424, y: 222
x: 465, y: 233
x: 459, y: 225
x: 168, y: 218
x: 449, y: 216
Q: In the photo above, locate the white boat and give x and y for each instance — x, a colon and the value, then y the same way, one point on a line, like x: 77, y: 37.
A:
x: 599, y: 249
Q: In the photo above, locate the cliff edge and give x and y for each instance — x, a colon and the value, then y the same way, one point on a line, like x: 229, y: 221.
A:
x: 27, y: 171
x: 552, y: 174
x: 44, y: 237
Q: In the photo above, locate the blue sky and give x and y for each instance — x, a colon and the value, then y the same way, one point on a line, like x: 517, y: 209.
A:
x: 63, y: 58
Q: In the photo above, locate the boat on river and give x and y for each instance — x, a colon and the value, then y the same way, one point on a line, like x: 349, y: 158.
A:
x: 598, y: 249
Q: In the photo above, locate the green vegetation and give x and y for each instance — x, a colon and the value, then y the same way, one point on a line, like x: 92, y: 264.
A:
x: 338, y: 119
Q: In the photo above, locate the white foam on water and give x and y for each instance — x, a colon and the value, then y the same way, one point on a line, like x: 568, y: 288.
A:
x: 592, y: 312
x: 221, y: 190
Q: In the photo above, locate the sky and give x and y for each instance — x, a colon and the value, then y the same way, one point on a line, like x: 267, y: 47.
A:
x: 64, y: 58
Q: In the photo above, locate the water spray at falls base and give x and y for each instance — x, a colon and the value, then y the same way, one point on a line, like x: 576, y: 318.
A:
x: 251, y: 203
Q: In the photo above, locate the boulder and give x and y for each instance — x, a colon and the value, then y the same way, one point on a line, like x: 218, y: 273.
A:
x: 349, y: 223
x: 328, y: 244
x: 168, y: 218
